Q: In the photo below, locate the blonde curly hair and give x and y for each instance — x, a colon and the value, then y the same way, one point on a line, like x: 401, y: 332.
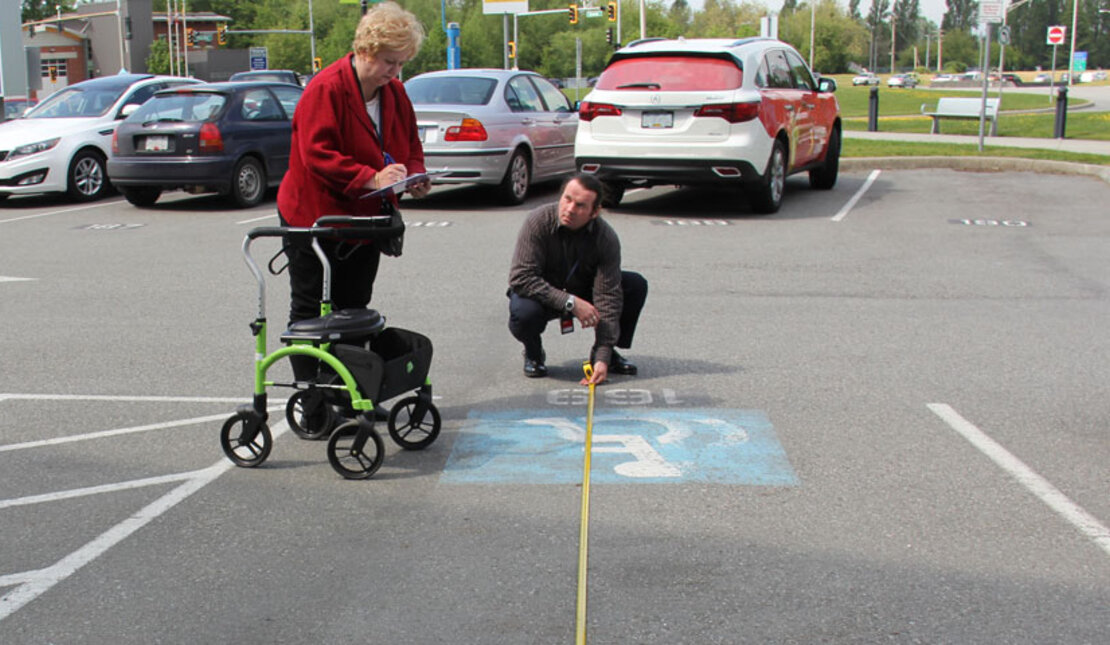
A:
x: 388, y: 27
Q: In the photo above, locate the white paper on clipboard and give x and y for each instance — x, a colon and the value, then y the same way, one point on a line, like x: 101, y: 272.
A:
x: 415, y: 178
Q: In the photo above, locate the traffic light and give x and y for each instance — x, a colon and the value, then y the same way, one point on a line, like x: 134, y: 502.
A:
x: 512, y: 49
x: 612, y: 12
x: 573, y: 13
x: 191, y: 37
x: 221, y: 33
x: 609, y: 36
x: 317, y: 64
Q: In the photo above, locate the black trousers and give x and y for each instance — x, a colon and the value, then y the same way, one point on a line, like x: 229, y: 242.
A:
x: 528, y: 318
x: 353, y: 270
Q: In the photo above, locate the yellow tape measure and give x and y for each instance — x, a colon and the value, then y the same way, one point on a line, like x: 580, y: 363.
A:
x: 584, y: 532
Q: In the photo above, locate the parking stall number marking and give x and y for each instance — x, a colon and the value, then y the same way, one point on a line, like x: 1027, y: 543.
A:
x: 691, y: 222
x: 1010, y: 223
x: 633, y: 445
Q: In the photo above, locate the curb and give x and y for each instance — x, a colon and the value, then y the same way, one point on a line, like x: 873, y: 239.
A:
x: 976, y: 164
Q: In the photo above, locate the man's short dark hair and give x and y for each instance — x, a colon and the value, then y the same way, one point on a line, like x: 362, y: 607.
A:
x: 590, y: 183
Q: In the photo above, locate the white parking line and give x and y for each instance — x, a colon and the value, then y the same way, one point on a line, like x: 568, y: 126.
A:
x: 61, y: 212
x: 95, y: 490
x: 1034, y: 483
x: 855, y: 198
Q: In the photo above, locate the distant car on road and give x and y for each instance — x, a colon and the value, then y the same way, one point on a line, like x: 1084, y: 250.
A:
x: 15, y: 106
x: 1012, y: 78
x: 62, y: 145
x: 275, y: 75
x: 906, y: 81
x: 504, y: 128
x: 866, y: 78
x: 232, y: 138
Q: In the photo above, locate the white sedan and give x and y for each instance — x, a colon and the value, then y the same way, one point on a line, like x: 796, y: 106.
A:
x: 62, y: 145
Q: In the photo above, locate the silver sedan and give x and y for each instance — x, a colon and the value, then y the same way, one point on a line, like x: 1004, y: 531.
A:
x: 504, y: 128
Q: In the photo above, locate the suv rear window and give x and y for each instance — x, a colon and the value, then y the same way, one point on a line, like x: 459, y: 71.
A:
x: 671, y: 74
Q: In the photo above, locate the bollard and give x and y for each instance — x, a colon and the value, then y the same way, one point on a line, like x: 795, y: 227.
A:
x: 873, y: 110
x: 1061, y: 113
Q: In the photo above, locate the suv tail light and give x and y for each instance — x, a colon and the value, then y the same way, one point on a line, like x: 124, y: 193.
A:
x: 468, y: 130
x: 210, y: 138
x: 731, y: 112
x: 588, y: 111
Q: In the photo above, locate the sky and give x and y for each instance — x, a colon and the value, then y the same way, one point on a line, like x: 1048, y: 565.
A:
x: 930, y: 9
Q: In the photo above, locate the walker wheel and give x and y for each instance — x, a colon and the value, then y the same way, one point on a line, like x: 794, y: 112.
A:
x: 353, y: 464
x: 241, y: 448
x: 410, y: 433
x: 315, y: 425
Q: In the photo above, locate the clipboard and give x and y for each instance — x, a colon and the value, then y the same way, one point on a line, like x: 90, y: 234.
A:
x: 415, y: 178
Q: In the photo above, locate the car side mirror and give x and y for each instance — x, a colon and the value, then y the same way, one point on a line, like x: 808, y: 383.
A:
x: 826, y: 84
x: 128, y: 110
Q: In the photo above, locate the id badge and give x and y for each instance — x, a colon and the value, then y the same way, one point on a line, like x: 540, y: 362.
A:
x: 566, y: 324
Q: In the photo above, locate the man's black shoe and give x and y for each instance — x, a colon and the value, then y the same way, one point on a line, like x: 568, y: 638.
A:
x: 534, y: 368
x: 618, y: 365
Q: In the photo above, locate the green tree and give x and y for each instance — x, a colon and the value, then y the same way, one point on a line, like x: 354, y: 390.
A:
x: 840, y: 40
x: 158, y: 61
x: 40, y: 9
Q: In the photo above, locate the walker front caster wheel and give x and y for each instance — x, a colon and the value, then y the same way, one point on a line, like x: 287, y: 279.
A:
x: 246, y: 439
x: 349, y: 462
x: 409, y: 432
x: 308, y: 415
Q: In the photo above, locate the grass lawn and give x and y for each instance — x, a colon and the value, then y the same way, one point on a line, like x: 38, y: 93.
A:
x: 854, y: 101
x: 1080, y: 125
x: 872, y: 148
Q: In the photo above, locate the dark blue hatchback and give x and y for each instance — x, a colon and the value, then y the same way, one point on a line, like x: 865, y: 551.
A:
x: 231, y: 138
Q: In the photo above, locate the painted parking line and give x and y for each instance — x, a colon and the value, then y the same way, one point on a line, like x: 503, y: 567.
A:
x: 855, y: 198
x: 1087, y: 524
x: 632, y: 446
x: 64, y: 211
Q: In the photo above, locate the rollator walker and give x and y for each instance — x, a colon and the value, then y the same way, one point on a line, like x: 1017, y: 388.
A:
x: 362, y: 363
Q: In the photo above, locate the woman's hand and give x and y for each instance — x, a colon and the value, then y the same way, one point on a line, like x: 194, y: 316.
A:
x: 391, y: 174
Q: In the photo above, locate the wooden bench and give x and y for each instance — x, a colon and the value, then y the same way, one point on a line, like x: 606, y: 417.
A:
x: 958, y: 108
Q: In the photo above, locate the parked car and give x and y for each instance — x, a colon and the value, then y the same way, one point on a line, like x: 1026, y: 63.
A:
x: 62, y: 145
x: 232, y: 138
x: 906, y: 81
x: 1042, y: 79
x: 1012, y: 78
x: 275, y: 75
x: 15, y: 106
x: 865, y: 78
x: 504, y: 128
x: 715, y: 112
x: 942, y: 78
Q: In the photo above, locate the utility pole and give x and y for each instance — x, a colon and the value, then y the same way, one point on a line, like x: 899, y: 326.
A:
x: 893, y: 39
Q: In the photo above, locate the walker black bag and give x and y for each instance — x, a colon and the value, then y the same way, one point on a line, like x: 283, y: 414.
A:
x: 392, y: 246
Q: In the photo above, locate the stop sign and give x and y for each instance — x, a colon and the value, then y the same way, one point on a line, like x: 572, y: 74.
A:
x: 1056, y: 34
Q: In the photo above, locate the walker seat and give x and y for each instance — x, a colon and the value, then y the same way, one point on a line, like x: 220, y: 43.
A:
x: 345, y: 325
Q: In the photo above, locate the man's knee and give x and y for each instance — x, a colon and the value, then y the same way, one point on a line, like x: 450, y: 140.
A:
x: 634, y: 286
x: 526, y: 316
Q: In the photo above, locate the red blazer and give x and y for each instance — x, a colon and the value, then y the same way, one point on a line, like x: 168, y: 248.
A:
x: 335, y: 149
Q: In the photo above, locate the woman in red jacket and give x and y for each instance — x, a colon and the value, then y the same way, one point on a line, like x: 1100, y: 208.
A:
x: 354, y: 131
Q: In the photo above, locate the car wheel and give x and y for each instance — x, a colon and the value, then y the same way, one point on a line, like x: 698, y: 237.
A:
x: 514, y: 187
x: 87, y: 179
x: 248, y: 182
x: 612, y: 194
x: 765, y: 196
x: 141, y: 196
x: 824, y: 178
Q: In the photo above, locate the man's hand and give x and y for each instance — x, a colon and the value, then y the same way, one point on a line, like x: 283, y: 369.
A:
x: 586, y: 313
x: 601, y: 372
x: 420, y: 189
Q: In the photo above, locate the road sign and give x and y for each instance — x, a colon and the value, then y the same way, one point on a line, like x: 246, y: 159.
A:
x: 990, y: 11
x: 259, y: 58
x: 1004, y: 34
x: 1079, y: 62
x: 1057, y: 34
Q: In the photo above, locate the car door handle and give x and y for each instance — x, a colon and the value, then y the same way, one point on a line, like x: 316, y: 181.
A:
x: 528, y: 121
x: 789, y: 107
x: 809, y: 106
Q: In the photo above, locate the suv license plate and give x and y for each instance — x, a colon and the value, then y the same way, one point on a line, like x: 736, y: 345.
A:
x: 156, y: 144
x: 657, y: 120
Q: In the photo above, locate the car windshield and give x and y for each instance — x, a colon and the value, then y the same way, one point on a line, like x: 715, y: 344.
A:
x: 671, y: 73
x: 450, y: 90
x: 78, y: 101
x: 179, y: 106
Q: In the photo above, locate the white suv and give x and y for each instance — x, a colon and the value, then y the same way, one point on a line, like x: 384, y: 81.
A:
x: 717, y: 112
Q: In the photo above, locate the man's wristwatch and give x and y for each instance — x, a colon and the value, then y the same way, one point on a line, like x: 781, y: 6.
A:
x: 569, y: 304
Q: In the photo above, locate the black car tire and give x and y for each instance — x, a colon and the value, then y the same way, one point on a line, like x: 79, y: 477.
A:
x: 141, y: 196
x: 87, y: 179
x: 765, y: 196
x: 824, y: 178
x: 612, y: 194
x: 518, y: 176
x: 248, y: 182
